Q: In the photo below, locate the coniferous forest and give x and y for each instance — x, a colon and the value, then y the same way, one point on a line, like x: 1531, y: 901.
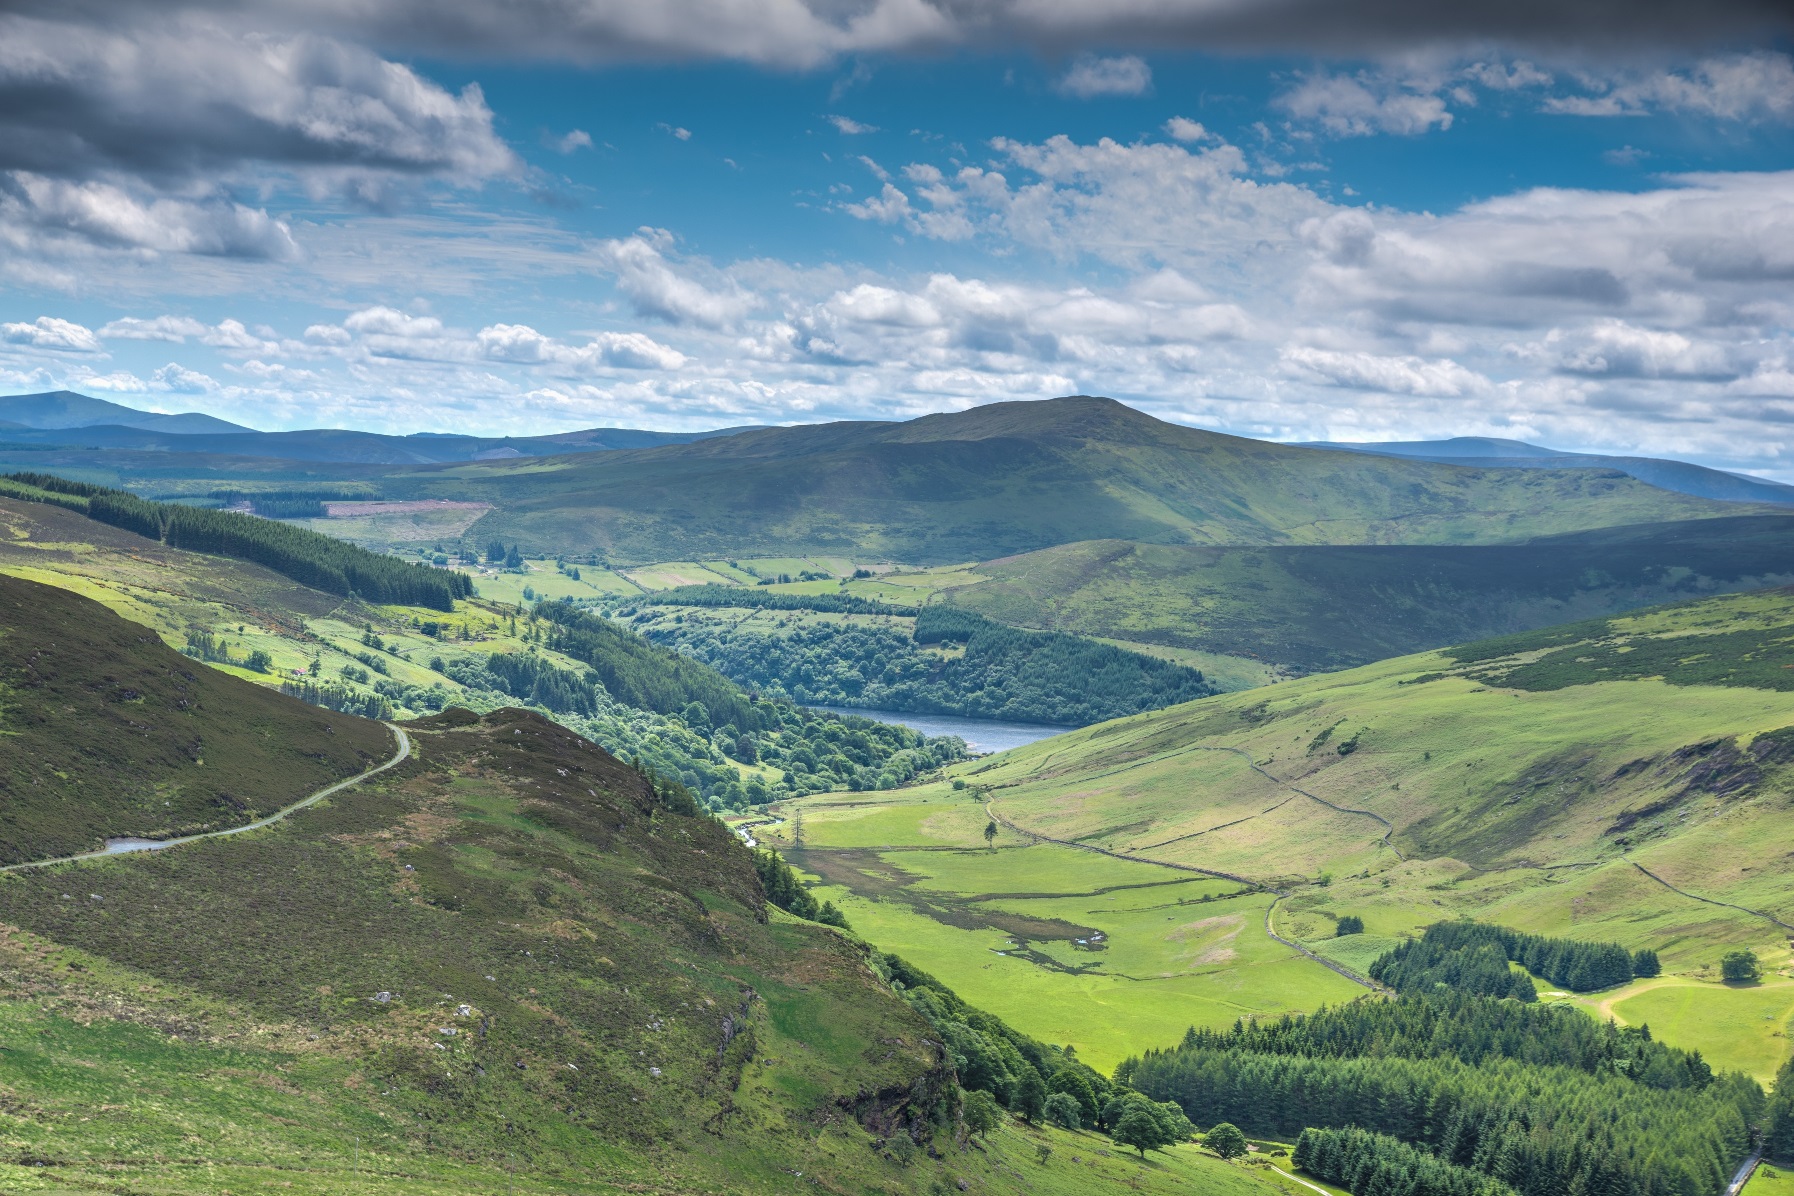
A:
x: 1545, y: 1101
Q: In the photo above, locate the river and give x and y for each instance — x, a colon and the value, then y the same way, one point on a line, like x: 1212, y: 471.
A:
x: 981, y: 734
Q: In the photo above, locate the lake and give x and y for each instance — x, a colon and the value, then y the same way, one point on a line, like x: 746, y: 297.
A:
x: 980, y: 734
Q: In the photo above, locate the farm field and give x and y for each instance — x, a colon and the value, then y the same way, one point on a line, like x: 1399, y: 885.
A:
x: 1745, y: 1028
x: 1109, y: 956
x: 1770, y: 1180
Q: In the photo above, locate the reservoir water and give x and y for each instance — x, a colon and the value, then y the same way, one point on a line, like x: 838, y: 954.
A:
x: 981, y: 734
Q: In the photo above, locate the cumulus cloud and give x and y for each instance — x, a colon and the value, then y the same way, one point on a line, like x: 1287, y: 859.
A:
x: 175, y: 329
x: 1757, y: 86
x: 664, y: 287
x: 1126, y: 75
x: 575, y: 139
x: 1391, y: 375
x: 1357, y: 106
x: 49, y: 332
x: 123, y: 137
x: 846, y: 124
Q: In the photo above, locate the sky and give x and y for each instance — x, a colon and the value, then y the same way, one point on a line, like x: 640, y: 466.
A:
x: 1569, y: 223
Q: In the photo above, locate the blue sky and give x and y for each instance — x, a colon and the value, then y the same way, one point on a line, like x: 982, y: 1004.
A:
x: 755, y: 211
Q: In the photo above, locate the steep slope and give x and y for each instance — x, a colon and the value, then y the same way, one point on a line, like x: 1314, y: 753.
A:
x: 510, y: 961
x: 1013, y: 477
x: 1312, y: 608
x: 1681, y: 476
x: 108, y: 732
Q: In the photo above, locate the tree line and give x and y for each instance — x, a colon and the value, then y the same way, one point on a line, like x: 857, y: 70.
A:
x: 1486, y: 1093
x: 307, y: 557
x: 1364, y: 1162
x: 1474, y: 957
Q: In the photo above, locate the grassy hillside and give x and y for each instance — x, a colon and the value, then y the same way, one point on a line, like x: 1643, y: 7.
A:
x: 632, y: 696
x: 506, y: 961
x: 109, y: 732
x: 1606, y: 781
x: 1015, y: 477
x: 1313, y: 608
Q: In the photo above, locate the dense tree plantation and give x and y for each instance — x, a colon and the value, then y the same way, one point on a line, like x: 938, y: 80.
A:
x: 1002, y: 673
x: 1500, y: 1088
x: 1365, y: 1162
x: 1778, y: 1138
x: 1473, y: 956
x: 307, y: 557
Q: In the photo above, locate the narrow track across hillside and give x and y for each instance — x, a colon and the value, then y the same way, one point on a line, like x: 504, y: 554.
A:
x: 404, y: 750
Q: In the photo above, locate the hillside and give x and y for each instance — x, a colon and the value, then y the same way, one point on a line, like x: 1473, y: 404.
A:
x: 1683, y: 477
x: 509, y: 960
x: 636, y: 698
x: 64, y: 409
x: 110, y: 733
x: 1312, y: 608
x: 1617, y: 780
x: 1016, y: 477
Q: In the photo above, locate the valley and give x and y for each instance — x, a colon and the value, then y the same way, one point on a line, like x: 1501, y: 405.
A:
x: 1275, y: 713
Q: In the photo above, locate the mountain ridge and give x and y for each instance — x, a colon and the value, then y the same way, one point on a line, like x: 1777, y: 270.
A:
x: 1013, y: 477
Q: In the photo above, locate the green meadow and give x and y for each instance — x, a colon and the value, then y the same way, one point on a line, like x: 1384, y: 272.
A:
x: 1109, y: 956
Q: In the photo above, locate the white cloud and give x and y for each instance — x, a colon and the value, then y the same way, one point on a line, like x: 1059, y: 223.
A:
x: 675, y: 131
x: 1614, y: 348
x: 47, y: 215
x: 1180, y: 128
x: 175, y: 329
x: 49, y: 332
x: 1391, y: 375
x: 1358, y: 106
x: 848, y: 125
x: 177, y: 378
x: 1756, y: 86
x: 1090, y: 77
x: 680, y: 292
x: 574, y: 139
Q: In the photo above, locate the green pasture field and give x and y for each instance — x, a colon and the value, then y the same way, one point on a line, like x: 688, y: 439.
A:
x: 549, y: 582
x: 1001, y: 927
x: 399, y: 528
x: 1230, y: 673
x: 1744, y: 1027
x: 1770, y: 1180
x: 913, y: 587
x: 676, y: 573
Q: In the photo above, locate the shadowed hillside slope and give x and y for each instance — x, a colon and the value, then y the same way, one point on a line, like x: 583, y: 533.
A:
x: 1013, y: 477
x: 1317, y: 607
x: 109, y: 732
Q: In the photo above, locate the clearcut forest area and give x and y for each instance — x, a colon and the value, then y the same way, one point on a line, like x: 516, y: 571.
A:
x: 1413, y: 828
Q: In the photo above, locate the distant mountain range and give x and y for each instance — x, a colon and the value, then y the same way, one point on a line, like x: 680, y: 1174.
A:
x: 64, y: 419
x: 1017, y: 477
x: 1487, y: 452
